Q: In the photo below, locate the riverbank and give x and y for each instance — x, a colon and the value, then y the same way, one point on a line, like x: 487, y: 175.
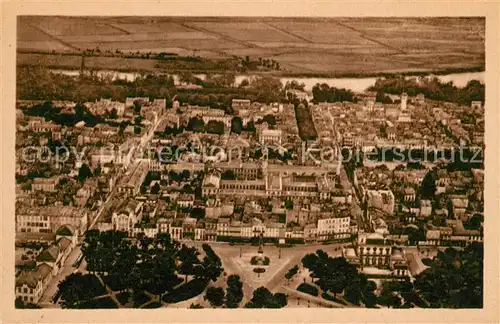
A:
x: 138, y: 65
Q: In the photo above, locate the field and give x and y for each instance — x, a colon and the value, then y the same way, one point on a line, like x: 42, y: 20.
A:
x: 328, y: 46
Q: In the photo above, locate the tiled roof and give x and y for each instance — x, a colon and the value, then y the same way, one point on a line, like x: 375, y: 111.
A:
x: 49, y: 254
x: 31, y: 278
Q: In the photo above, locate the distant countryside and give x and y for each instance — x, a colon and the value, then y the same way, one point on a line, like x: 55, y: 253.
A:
x: 329, y: 47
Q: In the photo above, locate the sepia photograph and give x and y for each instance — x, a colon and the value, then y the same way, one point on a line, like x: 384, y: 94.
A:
x: 252, y: 162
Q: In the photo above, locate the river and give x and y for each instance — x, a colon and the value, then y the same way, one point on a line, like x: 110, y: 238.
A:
x: 354, y: 84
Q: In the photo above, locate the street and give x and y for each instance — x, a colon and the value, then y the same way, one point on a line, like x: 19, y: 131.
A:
x: 66, y: 270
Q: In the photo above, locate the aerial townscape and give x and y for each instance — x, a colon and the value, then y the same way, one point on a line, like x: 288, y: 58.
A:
x: 194, y: 181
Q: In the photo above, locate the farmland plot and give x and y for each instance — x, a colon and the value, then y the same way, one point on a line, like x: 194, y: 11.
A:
x: 151, y: 26
x: 43, y: 46
x: 61, y: 26
x: 26, y: 32
x: 246, y: 31
x: 323, y: 32
x: 188, y: 36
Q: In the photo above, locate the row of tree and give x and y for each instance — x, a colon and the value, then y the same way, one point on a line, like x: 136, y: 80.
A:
x: 432, y: 88
x: 151, y: 264
x: 197, y: 125
x: 324, y: 93
x: 336, y: 275
x: 231, y: 298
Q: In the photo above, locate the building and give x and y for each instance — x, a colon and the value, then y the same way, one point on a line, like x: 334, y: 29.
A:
x: 240, y: 104
x: 270, y: 136
x: 47, y: 219
x: 333, y: 227
x: 176, y: 229
x: 374, y: 250
x: 223, y: 226
x: 298, y: 94
x: 382, y: 200
x: 476, y: 104
x: 378, y: 255
x: 276, y: 180
x: 132, y: 180
x: 45, y: 184
x: 185, y: 200
x: 30, y: 285
x: 420, y: 99
x: 274, y: 230
x: 129, y: 102
x: 106, y: 106
x: 127, y: 215
x: 425, y: 208
x: 404, y: 100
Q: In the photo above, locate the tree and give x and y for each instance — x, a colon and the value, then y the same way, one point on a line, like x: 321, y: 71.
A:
x: 76, y: 288
x: 292, y: 272
x: 215, y: 127
x: 198, y: 213
x: 428, y: 186
x: 185, y: 174
x: 389, y: 295
x: 79, y: 111
x: 19, y: 303
x: 263, y: 298
x: 138, y: 120
x: 268, y: 88
x: 244, y: 83
x: 289, y: 204
x: 234, y: 294
x: 294, y: 84
x: 215, y: 296
x: 189, y: 258
x: 475, y: 221
x: 97, y: 171
x: 236, y: 125
x: 270, y: 119
x: 84, y: 173
x: 381, y: 97
x: 196, y: 125
x: 325, y: 93
x: 455, y: 279
x: 250, y: 127
x: 113, y: 114
x: 155, y: 189
x: 137, y: 107
x: 336, y: 285
x: 228, y: 175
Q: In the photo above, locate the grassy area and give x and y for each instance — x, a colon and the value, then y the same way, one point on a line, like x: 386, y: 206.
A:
x: 140, y: 299
x: 95, y: 286
x: 153, y: 305
x: 305, y: 124
x: 308, y: 289
x: 333, y: 299
x: 112, y: 282
x: 105, y: 302
x: 189, y: 290
x: 123, y: 297
x: 427, y: 262
x: 301, y: 46
x: 157, y: 289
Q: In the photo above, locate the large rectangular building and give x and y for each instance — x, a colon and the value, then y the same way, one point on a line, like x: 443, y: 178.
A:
x: 47, y: 219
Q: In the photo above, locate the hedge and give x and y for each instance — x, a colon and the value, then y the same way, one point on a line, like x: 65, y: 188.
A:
x: 140, y: 299
x: 188, y: 290
x: 123, y: 297
x: 105, y: 302
x: 308, y: 289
